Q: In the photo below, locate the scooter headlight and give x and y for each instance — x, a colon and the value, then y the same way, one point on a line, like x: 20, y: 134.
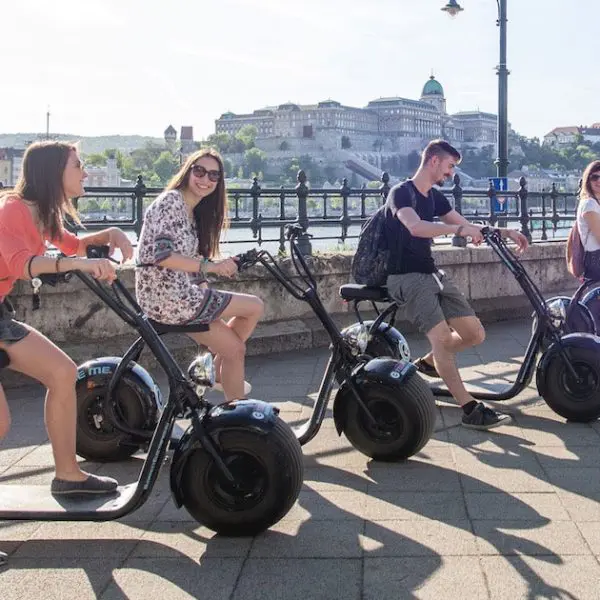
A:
x: 557, y: 310
x: 403, y: 348
x: 202, y: 372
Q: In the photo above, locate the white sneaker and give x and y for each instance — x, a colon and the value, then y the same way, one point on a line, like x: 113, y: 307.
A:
x: 219, y: 387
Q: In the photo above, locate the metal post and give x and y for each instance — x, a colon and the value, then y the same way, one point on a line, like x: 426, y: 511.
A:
x: 345, y: 218
x: 255, y: 193
x: 458, y: 241
x: 502, y: 160
x: 302, y: 192
x: 138, y: 198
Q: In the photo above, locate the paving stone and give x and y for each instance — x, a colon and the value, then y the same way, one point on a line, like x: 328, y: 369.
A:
x: 299, y: 579
x: 521, y: 506
x: 56, y: 578
x: 310, y: 539
x: 397, y: 506
x: 167, y: 539
x: 548, y: 577
x: 529, y: 538
x: 174, y: 578
x: 418, y: 538
x: 425, y: 578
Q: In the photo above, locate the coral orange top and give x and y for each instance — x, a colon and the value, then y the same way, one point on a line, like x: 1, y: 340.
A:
x: 20, y: 239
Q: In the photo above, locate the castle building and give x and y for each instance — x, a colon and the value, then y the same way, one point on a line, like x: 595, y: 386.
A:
x: 397, y: 125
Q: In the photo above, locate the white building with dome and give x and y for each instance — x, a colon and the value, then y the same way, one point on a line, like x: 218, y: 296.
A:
x: 386, y: 126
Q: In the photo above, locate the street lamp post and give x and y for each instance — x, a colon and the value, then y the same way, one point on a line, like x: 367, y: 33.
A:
x: 453, y: 8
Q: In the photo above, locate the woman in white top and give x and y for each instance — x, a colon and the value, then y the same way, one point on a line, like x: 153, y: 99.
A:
x: 588, y: 219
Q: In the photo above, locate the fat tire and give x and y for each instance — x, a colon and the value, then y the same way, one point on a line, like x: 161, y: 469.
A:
x: 278, y: 452
x: 108, y: 446
x: 414, y: 401
x: 561, y: 400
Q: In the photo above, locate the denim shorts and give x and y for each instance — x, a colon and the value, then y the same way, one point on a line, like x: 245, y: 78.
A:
x: 427, y: 299
x: 11, y: 331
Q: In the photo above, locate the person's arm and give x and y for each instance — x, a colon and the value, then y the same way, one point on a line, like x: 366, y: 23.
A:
x: 164, y: 249
x: 592, y: 219
x: 24, y: 264
x: 452, y: 223
x: 112, y: 237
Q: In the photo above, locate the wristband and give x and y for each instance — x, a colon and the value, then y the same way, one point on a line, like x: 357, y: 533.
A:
x: 29, y: 267
x: 57, y: 263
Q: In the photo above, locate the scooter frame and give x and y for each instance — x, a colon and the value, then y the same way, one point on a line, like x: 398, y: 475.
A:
x: 24, y: 501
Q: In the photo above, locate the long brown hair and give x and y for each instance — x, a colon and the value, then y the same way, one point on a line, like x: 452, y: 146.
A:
x: 210, y: 213
x: 41, y: 182
x: 586, y: 184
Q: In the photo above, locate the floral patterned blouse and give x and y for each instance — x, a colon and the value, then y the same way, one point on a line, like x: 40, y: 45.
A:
x: 167, y: 295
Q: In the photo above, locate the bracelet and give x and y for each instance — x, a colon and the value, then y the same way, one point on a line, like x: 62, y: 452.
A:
x: 460, y: 228
x: 57, y: 262
x: 29, y: 267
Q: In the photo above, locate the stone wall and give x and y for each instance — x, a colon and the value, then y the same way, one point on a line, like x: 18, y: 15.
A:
x: 80, y: 323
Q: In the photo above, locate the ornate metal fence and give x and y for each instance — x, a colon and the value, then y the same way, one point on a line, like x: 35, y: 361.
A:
x: 337, y: 214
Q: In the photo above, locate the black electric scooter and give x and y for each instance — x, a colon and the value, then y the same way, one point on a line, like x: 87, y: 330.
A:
x: 383, y: 406
x: 563, y: 331
x: 237, y: 469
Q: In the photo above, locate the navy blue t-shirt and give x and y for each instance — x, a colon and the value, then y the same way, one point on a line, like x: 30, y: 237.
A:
x: 410, y: 254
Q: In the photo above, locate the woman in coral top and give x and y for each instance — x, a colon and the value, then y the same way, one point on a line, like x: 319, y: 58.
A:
x: 30, y: 216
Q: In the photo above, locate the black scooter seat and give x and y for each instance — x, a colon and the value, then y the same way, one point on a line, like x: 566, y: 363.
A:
x: 161, y: 328
x: 37, y: 503
x: 354, y: 291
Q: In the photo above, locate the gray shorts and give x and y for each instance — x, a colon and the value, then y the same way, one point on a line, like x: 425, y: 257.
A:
x: 427, y: 299
x: 11, y: 331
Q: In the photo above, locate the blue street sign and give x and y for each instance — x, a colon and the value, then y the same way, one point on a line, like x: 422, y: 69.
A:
x: 500, y: 185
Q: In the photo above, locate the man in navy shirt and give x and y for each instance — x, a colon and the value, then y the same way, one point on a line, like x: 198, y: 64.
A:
x: 425, y: 295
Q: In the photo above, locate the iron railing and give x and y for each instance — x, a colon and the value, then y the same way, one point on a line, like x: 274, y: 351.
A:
x: 263, y: 212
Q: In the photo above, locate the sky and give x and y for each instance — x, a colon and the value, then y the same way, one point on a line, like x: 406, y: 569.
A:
x: 106, y: 67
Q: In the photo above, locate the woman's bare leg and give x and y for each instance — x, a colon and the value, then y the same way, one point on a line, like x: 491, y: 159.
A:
x: 244, y: 311
x: 36, y: 356
x: 4, y: 414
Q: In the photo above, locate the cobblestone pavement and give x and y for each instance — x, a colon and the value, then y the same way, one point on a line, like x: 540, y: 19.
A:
x: 510, y: 514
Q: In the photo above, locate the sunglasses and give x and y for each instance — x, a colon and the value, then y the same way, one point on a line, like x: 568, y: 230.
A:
x: 594, y: 176
x: 199, y: 171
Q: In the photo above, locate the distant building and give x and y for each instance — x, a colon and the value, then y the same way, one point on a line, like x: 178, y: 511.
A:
x: 108, y: 176
x: 10, y: 165
x: 186, y: 138
x: 560, y: 137
x: 396, y: 125
x: 170, y: 136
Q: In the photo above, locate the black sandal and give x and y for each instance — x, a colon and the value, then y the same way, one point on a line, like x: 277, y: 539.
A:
x: 424, y: 367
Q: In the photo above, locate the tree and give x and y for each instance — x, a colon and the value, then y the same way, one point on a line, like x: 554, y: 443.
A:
x: 413, y: 160
x: 346, y: 143
x: 255, y: 161
x: 247, y: 135
x: 284, y: 146
x: 165, y: 166
x: 219, y: 141
x: 96, y: 160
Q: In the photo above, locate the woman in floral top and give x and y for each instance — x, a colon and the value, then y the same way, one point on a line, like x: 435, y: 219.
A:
x: 177, y: 245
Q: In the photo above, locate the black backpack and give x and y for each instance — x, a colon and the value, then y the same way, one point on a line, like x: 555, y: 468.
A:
x: 370, y: 262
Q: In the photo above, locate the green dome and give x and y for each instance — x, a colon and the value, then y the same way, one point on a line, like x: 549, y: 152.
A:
x: 433, y: 88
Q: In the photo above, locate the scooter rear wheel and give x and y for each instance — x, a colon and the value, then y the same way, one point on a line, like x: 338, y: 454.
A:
x: 97, y: 438
x: 574, y: 400
x: 404, y: 414
x: 268, y: 469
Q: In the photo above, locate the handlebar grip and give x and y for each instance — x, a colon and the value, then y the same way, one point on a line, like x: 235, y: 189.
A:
x: 97, y: 251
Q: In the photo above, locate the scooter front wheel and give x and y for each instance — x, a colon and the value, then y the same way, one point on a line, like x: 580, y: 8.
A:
x: 574, y: 398
x: 268, y: 471
x: 404, y: 419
